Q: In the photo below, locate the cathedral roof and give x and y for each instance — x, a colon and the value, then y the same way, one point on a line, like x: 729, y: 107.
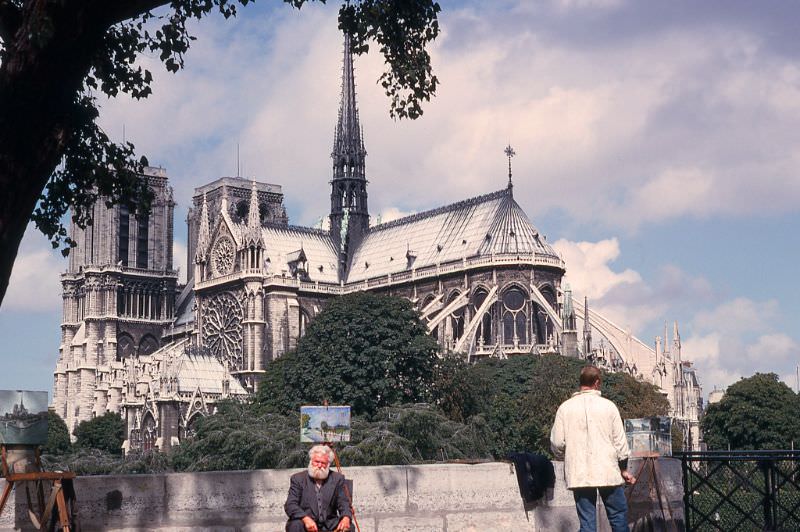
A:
x: 194, y: 370
x: 283, y: 245
x: 485, y: 225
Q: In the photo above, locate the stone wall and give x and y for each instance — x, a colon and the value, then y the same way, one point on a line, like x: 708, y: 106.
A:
x: 438, y: 497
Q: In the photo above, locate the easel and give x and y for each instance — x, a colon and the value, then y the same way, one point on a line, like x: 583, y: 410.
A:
x: 346, y: 490
x: 650, y: 465
x: 339, y: 470
x: 60, y: 480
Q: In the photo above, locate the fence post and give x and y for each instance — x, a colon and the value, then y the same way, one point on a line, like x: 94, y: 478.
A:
x: 768, y: 503
x: 687, y: 491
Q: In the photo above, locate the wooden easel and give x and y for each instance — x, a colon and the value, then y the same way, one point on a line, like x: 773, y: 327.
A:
x: 56, y: 498
x: 346, y: 490
x: 650, y: 465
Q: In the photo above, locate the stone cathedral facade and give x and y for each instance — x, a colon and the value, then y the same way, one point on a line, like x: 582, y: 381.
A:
x: 484, y: 279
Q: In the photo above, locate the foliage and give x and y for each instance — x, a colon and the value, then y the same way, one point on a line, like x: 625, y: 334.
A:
x: 58, y: 441
x: 106, y: 433
x: 55, y: 57
x: 239, y: 437
x: 366, y: 350
x: 518, y: 397
x: 634, y: 398
x: 759, y: 412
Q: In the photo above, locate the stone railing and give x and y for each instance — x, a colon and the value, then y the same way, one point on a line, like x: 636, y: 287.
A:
x: 390, y: 279
x: 436, y: 497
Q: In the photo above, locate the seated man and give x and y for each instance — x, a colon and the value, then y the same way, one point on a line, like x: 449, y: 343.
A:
x: 317, y: 500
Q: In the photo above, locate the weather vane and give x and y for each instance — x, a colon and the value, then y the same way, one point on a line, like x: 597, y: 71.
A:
x: 509, y: 151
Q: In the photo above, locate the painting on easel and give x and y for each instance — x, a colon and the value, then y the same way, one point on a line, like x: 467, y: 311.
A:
x: 649, y: 436
x: 320, y: 424
x: 23, y: 417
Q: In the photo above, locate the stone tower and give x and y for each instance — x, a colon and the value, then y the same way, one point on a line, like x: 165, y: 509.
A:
x: 119, y: 297
x: 349, y: 211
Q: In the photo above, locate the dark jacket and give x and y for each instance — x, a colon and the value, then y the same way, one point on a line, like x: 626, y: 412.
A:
x: 535, y: 474
x: 302, y: 499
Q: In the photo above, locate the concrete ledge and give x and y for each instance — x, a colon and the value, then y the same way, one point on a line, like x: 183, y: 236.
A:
x: 436, y: 497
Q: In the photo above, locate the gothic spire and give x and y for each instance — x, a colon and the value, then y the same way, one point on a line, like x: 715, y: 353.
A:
x: 253, y: 235
x: 568, y: 317
x: 348, y: 145
x: 204, y: 234
x: 587, y: 329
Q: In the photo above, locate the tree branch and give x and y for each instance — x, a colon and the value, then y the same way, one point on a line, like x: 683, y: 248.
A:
x: 121, y: 10
x: 10, y: 20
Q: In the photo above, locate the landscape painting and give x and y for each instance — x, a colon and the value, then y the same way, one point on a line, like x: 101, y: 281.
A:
x: 649, y: 436
x: 23, y: 417
x: 319, y: 424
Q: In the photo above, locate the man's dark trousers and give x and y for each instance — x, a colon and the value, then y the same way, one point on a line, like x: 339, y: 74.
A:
x: 614, y: 501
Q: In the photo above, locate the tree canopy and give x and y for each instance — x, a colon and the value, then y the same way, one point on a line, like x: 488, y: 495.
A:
x: 364, y: 349
x: 106, y: 432
x: 55, y: 57
x: 58, y: 441
x: 759, y: 412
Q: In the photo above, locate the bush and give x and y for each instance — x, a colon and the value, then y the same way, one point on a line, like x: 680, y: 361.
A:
x: 106, y: 433
x: 58, y: 441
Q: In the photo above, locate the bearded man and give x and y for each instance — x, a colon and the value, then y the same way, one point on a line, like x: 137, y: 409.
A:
x: 317, y: 501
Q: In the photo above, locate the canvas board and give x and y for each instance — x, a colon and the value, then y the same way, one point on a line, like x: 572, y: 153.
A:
x: 319, y: 424
x: 650, y: 435
x: 23, y: 417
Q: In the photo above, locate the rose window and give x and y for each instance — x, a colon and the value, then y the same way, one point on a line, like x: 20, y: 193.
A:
x: 222, y: 256
x: 222, y: 329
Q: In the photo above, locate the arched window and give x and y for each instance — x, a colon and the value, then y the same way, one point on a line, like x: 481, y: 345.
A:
x: 483, y: 335
x: 191, y: 425
x: 515, y: 316
x: 242, y: 208
x: 125, y: 346
x: 304, y: 319
x: 124, y: 234
x: 149, y: 433
x: 456, y: 319
x: 148, y: 345
x: 142, y: 240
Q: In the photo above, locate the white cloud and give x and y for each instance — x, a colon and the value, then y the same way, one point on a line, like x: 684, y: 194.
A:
x: 738, y: 316
x: 772, y: 348
x: 179, y: 258
x: 390, y: 214
x: 35, y: 284
x: 588, y: 270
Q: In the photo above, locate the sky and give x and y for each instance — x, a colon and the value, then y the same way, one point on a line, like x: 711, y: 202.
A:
x: 657, y: 146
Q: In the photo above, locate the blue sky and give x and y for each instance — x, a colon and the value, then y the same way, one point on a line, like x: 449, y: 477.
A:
x: 657, y: 145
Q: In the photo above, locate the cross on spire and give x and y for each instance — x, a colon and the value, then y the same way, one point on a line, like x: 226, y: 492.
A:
x: 509, y: 151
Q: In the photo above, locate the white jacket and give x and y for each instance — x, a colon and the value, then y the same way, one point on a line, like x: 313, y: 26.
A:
x: 588, y: 434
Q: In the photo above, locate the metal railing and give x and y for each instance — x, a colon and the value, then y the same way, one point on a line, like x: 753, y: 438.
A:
x: 741, y: 490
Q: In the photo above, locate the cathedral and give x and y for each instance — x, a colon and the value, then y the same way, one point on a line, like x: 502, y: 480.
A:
x: 484, y: 279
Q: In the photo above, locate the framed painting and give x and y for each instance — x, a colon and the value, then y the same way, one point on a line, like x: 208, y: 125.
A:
x: 320, y: 424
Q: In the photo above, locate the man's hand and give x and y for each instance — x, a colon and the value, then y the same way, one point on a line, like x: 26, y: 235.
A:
x: 629, y: 479
x: 310, y: 525
x: 344, y: 525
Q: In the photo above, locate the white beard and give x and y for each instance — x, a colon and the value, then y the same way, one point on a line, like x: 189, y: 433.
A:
x: 318, y: 473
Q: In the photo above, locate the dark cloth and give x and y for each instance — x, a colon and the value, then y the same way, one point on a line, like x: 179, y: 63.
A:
x: 326, y: 507
x: 535, y: 474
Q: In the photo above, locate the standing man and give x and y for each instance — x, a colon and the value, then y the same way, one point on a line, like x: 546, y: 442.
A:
x: 588, y: 435
x: 317, y: 501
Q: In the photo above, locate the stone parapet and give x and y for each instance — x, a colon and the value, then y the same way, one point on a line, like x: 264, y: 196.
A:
x: 436, y: 497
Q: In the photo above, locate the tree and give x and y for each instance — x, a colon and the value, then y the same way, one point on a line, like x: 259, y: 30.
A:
x: 55, y: 55
x: 106, y: 432
x: 57, y: 435
x: 364, y: 349
x: 759, y: 412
